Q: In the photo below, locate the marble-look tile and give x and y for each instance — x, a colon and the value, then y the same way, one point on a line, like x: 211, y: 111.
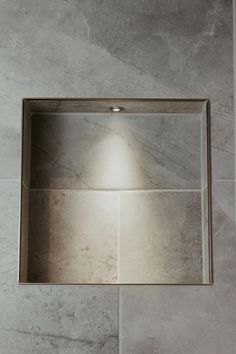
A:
x: 123, y: 151
x: 60, y: 57
x: 222, y: 143
x: 108, y: 43
x: 49, y: 319
x: 182, y: 41
x: 81, y: 319
x: 160, y: 238
x: 72, y: 237
x: 189, y: 46
x: 10, y: 136
x: 9, y: 206
x: 37, y: 63
x: 224, y: 241
x: 188, y: 319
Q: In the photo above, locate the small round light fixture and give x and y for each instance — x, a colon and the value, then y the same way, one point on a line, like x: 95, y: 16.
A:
x: 116, y: 109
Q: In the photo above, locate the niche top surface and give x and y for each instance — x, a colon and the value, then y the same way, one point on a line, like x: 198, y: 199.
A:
x: 102, y: 105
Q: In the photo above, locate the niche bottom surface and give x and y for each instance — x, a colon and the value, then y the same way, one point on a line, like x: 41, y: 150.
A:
x: 95, y: 237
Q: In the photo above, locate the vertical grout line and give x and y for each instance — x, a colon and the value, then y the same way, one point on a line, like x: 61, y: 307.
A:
x: 205, y: 277
x: 202, y: 187
x: 119, y: 322
x: 209, y: 194
x: 234, y: 87
x: 118, y: 237
x: 118, y: 266
x: 203, y: 181
x: 234, y: 75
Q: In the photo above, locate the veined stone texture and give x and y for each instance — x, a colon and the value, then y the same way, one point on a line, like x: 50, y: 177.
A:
x: 135, y: 48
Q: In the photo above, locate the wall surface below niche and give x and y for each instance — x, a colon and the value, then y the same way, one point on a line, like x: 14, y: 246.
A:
x: 132, y: 49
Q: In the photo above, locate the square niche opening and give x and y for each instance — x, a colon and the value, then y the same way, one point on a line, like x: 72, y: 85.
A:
x: 115, y: 191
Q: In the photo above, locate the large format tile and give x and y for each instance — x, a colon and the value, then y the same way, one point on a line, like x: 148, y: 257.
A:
x: 187, y: 319
x: 72, y: 237
x: 49, y: 319
x: 125, y: 151
x: 67, y: 319
x: 9, y: 207
x: 10, y: 136
x: 37, y: 63
x: 54, y: 59
x: 160, y: 237
x: 224, y: 240
x: 222, y: 147
x: 182, y: 41
x: 105, y: 62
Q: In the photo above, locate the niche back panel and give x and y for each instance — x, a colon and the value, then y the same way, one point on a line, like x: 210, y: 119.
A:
x: 115, y: 197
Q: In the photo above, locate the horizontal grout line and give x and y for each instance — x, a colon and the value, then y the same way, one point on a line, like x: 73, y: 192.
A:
x: 119, y: 190
x: 224, y: 180
x: 184, y: 114
x: 113, y: 190
x: 9, y: 180
x: 30, y: 284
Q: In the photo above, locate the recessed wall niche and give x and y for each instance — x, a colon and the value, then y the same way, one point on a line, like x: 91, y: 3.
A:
x: 115, y: 191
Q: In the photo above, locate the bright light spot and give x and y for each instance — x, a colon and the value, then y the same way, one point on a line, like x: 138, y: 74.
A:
x: 115, y: 109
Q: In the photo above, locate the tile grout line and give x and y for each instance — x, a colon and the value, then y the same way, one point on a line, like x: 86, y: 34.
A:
x: 204, y: 180
x: 203, y: 238
x: 118, y: 237
x: 115, y: 190
x: 234, y: 88
x: 9, y: 180
x: 119, y: 321
x: 202, y: 160
x: 234, y: 82
x: 118, y: 267
x: 121, y: 190
x: 224, y: 180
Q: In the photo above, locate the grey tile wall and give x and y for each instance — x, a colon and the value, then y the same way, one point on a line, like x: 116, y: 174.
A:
x: 188, y: 319
x: 67, y: 55
x: 116, y: 48
x: 49, y: 319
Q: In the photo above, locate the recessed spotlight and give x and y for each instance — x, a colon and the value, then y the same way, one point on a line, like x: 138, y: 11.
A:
x: 116, y: 109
